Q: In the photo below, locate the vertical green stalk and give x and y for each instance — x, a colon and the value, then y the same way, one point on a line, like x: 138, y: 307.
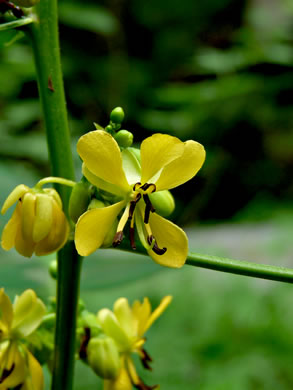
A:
x: 45, y: 43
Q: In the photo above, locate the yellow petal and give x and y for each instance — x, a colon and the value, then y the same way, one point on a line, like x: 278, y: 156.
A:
x: 113, y: 328
x: 156, y: 152
x: 122, y: 382
x: 183, y: 168
x: 101, y: 184
x: 58, y: 234
x: 125, y: 317
x: 13, y: 197
x: 142, y: 311
x: 28, y: 313
x: 6, y: 314
x: 28, y: 215
x: 54, y: 194
x: 158, y: 311
x: 24, y: 247
x: 101, y: 154
x: 10, y: 230
x: 92, y: 227
x: 170, y: 236
x: 35, y: 378
x: 43, y: 218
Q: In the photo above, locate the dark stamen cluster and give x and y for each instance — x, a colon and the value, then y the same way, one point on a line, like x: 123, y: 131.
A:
x: 149, y: 208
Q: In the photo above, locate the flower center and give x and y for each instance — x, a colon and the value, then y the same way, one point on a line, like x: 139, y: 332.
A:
x: 139, y: 191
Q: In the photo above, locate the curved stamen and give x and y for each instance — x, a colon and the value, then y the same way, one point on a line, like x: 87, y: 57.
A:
x: 133, y: 204
x: 156, y: 248
x: 148, y: 208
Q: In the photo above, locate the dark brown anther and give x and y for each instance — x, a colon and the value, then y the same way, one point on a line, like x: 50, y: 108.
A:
x: 148, y: 208
x: 6, y: 373
x: 155, y: 248
x: 132, y: 205
x: 136, y: 185
x: 131, y: 238
x: 145, y: 186
x: 84, y: 342
x: 117, y: 239
x: 146, y: 359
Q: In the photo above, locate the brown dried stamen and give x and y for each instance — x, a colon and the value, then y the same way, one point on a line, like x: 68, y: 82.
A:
x: 117, y: 239
x: 6, y: 373
x: 146, y: 359
x: 148, y: 208
x: 156, y: 248
x: 133, y: 203
x: 84, y: 343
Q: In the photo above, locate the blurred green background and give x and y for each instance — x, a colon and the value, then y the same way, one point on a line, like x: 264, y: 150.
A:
x: 219, y: 72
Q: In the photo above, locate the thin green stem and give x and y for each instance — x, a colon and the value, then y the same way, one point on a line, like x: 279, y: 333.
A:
x: 56, y: 180
x: 17, y: 23
x: 223, y: 264
x: 45, y: 42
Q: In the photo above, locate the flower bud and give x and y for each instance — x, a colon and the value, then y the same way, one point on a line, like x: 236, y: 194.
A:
x: 163, y: 202
x: 124, y: 138
x: 103, y: 357
x: 38, y: 224
x: 79, y: 200
x: 53, y: 269
x: 117, y: 115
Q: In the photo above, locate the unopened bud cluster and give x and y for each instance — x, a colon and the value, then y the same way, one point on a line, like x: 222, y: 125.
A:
x: 38, y: 224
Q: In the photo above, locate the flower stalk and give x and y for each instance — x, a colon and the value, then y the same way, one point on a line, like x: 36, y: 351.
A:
x: 232, y: 266
x: 45, y: 43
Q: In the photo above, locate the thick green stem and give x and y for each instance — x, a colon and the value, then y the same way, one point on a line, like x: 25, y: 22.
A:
x: 45, y: 43
x: 238, y: 267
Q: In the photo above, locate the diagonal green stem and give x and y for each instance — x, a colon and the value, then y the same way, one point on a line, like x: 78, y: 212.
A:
x: 238, y: 267
x: 45, y: 42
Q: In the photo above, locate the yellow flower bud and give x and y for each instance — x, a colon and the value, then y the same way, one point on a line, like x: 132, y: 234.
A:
x: 38, y: 224
x: 103, y: 357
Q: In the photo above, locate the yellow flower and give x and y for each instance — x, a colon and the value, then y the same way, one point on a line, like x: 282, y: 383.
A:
x: 38, y: 224
x: 166, y: 162
x: 18, y: 367
x: 127, y: 326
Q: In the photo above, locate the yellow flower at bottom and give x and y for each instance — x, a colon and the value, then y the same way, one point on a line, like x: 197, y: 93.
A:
x: 18, y: 367
x: 127, y: 326
x: 38, y: 224
x: 165, y: 163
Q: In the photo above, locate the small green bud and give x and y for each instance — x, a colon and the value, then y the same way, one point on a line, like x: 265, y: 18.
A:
x: 117, y: 115
x: 163, y: 202
x: 79, y: 200
x: 124, y: 138
x: 26, y: 3
x: 53, y: 269
x: 103, y: 357
x: 109, y: 129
